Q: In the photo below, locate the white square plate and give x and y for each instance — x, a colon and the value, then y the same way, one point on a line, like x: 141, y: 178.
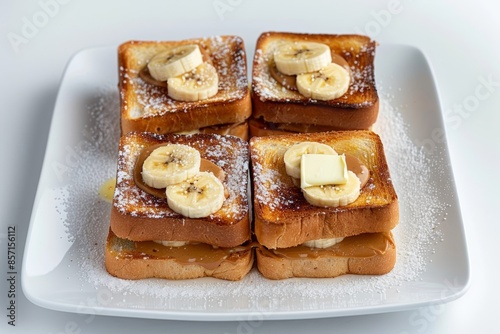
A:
x: 63, y: 264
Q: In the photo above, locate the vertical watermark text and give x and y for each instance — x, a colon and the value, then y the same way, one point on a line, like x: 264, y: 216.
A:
x: 11, y: 275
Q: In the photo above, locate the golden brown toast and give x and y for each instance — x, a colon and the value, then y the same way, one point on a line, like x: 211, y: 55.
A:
x: 147, y: 259
x: 363, y: 254
x: 139, y: 216
x: 146, y: 107
x: 356, y: 109
x: 283, y: 218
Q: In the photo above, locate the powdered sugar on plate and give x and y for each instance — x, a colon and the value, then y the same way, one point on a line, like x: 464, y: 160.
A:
x: 86, y: 217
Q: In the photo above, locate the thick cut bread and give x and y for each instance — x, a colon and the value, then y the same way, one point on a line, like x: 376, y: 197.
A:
x: 274, y: 265
x: 126, y: 259
x: 146, y: 107
x: 283, y: 218
x: 139, y: 216
x: 356, y: 109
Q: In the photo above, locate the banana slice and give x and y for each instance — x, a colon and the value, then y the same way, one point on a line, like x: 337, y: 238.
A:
x: 302, y: 57
x: 334, y: 195
x: 197, y: 84
x: 170, y: 164
x: 174, y: 62
x: 322, y: 243
x: 293, y: 155
x: 167, y: 243
x: 198, y: 196
x: 328, y: 83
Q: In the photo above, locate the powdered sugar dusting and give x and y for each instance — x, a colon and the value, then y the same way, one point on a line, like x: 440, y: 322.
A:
x: 420, y: 209
x: 87, y: 220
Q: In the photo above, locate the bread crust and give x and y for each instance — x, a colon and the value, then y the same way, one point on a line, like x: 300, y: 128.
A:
x: 357, y: 109
x: 139, y: 216
x: 145, y: 107
x: 313, y: 223
x: 283, y: 218
x: 276, y: 268
x: 120, y: 264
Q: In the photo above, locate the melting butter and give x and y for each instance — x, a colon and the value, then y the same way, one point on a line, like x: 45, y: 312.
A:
x: 107, y: 189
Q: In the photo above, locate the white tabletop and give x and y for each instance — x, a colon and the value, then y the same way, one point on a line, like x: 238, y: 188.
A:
x: 459, y: 39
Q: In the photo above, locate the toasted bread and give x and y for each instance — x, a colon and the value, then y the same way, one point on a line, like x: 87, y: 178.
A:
x: 139, y: 216
x: 364, y: 254
x: 146, y: 107
x: 356, y: 109
x: 137, y: 260
x: 283, y: 218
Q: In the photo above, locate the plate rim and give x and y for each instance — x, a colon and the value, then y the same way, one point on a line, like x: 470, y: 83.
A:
x: 207, y: 315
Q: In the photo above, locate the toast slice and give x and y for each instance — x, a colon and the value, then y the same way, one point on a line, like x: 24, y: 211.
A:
x: 146, y: 107
x: 356, y: 109
x: 364, y: 254
x: 146, y: 259
x: 283, y: 218
x: 140, y: 216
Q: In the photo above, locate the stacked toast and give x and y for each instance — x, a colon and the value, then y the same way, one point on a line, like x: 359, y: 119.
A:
x: 323, y: 201
x: 321, y: 231
x: 150, y: 236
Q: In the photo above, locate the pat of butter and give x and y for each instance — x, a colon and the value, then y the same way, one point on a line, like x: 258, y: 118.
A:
x: 322, y: 169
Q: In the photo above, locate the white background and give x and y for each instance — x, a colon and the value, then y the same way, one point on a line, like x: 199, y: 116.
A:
x: 460, y: 40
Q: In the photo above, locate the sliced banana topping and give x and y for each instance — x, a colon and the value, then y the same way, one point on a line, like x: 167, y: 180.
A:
x: 328, y: 83
x: 301, y: 57
x: 174, y: 62
x: 170, y: 164
x: 311, y: 69
x: 323, y: 175
x: 197, y: 196
x: 334, y: 195
x: 198, y: 84
x: 322, y: 243
x: 294, y: 154
x: 171, y: 243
